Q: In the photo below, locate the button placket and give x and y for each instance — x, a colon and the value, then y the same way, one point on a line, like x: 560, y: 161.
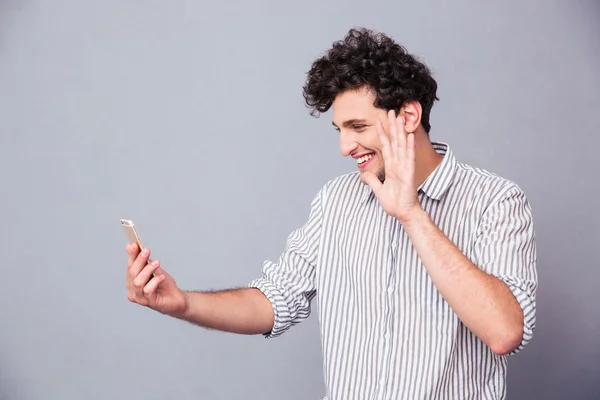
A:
x: 389, y: 309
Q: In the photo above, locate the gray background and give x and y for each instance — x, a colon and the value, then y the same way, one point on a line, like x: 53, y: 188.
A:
x: 188, y: 118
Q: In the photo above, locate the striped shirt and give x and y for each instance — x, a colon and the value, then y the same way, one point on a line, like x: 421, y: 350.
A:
x: 386, y: 331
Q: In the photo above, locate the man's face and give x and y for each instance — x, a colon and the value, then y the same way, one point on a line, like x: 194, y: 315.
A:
x: 356, y: 119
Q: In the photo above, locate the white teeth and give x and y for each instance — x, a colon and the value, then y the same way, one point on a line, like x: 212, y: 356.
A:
x: 364, y: 158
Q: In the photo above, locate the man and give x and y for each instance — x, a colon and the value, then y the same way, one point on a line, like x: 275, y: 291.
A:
x: 425, y: 267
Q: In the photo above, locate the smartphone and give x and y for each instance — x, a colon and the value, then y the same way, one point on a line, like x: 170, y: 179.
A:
x: 132, y: 234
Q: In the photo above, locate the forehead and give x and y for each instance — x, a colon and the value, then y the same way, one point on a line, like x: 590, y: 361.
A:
x: 353, y: 104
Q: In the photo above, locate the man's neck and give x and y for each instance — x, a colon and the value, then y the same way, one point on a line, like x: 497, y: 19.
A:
x: 427, y: 159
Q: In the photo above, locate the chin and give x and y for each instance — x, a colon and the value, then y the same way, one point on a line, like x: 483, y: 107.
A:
x: 379, y: 173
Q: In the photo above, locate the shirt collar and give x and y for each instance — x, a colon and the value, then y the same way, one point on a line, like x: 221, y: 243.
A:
x: 438, y: 182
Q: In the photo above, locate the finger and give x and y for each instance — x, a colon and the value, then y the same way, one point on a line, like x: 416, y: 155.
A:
x: 372, y: 180
x: 393, y: 133
x: 139, y: 263
x: 151, y: 287
x: 399, y: 123
x: 410, y: 151
x: 145, y: 275
x: 385, y: 142
x: 132, y: 251
x: 161, y: 272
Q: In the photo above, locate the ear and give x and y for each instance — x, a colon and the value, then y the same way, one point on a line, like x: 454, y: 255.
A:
x: 411, y: 111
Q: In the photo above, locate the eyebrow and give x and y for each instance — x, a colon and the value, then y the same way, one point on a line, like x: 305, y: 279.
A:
x: 351, y: 122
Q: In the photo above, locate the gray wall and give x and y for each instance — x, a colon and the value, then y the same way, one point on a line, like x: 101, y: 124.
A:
x: 188, y: 118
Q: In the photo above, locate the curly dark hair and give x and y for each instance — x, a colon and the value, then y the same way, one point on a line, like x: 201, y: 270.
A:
x: 367, y: 59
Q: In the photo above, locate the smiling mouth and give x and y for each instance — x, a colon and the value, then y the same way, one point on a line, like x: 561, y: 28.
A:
x: 364, y: 160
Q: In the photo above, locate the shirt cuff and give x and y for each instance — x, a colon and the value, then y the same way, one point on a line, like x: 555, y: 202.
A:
x: 519, y: 289
x: 280, y: 308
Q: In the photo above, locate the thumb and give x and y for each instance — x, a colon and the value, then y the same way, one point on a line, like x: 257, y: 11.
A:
x: 371, y: 179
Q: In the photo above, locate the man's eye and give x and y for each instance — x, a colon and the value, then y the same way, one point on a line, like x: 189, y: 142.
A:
x: 359, y: 127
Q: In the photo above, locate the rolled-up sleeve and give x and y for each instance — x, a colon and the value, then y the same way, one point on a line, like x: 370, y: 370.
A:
x: 505, y: 247
x: 289, y: 283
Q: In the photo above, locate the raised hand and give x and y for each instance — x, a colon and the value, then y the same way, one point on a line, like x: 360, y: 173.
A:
x: 159, y: 292
x: 398, y: 193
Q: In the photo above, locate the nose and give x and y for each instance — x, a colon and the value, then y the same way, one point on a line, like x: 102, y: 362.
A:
x: 347, y: 143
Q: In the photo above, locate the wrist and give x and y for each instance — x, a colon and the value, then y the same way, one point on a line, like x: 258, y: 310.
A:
x: 412, y: 216
x: 185, y: 310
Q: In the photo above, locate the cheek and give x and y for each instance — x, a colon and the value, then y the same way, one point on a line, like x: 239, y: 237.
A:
x: 380, y: 162
x: 371, y: 140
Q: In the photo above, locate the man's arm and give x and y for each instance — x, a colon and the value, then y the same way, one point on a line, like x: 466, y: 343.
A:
x: 245, y: 311
x: 271, y: 305
x: 495, y: 299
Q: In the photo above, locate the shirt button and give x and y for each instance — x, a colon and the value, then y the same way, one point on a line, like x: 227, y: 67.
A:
x: 390, y: 289
x: 394, y: 243
x: 382, y: 382
x: 387, y: 335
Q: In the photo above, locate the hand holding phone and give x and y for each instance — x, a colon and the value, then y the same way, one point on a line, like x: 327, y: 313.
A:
x: 147, y: 283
